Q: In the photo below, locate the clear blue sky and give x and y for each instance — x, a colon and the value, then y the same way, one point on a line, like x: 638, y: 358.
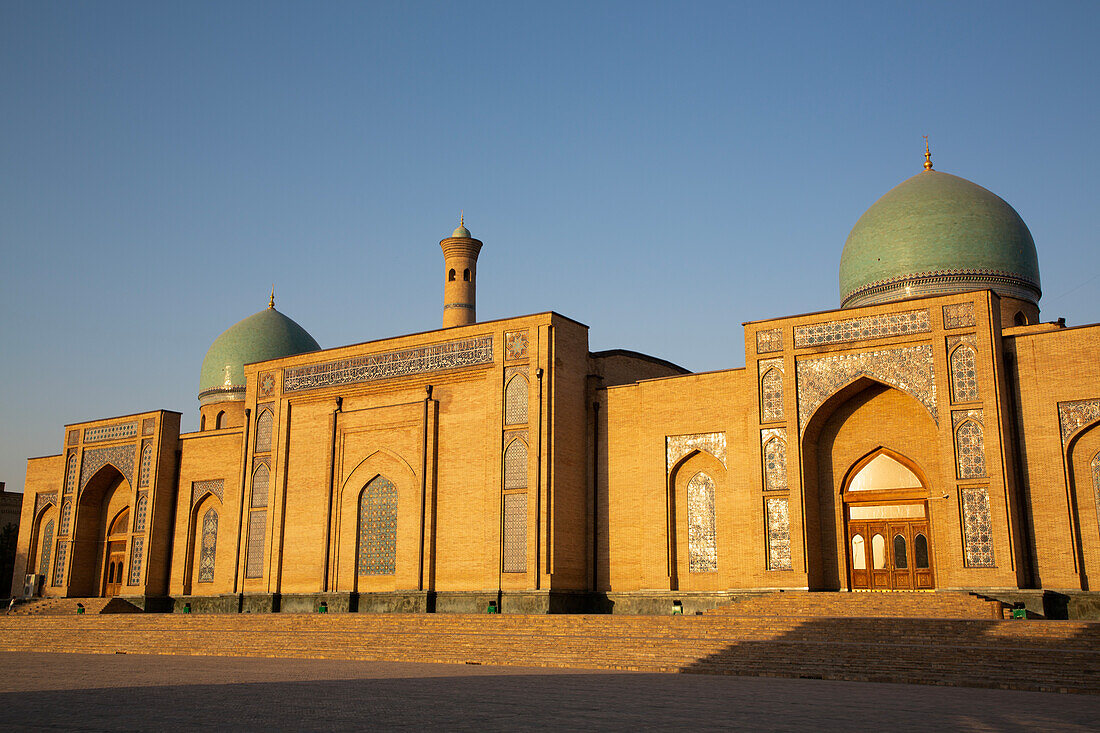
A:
x: 659, y: 171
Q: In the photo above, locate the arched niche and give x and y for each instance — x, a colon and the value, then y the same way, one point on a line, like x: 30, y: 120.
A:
x: 99, y: 504
x: 678, y: 530
x: 863, y: 419
x: 1083, y: 463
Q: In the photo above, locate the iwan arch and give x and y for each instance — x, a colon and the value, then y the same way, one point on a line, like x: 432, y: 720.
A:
x: 932, y: 434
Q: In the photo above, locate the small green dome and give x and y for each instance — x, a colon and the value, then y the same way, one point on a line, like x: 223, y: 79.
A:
x: 262, y: 336
x: 461, y: 232
x: 937, y: 233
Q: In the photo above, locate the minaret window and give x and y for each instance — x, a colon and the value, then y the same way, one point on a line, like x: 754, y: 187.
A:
x: 451, y: 276
x: 466, y: 274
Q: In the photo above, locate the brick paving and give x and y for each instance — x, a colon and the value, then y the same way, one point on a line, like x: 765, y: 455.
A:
x: 145, y: 692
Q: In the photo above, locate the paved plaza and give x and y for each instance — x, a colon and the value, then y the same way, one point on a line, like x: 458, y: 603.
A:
x: 147, y: 692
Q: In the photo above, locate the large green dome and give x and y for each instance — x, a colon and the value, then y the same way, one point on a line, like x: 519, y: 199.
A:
x: 265, y: 335
x: 937, y: 233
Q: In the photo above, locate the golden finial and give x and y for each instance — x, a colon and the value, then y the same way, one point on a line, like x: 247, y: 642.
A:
x: 271, y: 301
x: 461, y: 218
x: 927, y: 155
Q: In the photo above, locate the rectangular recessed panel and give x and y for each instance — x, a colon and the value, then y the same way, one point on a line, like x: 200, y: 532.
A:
x: 110, y: 432
x: 515, y: 533
x: 860, y: 329
x: 257, y: 528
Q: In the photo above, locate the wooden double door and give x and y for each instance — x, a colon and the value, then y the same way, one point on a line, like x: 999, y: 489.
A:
x: 113, y: 569
x: 890, y: 554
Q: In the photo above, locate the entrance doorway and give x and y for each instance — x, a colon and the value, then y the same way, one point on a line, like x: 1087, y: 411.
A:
x: 889, y: 545
x: 114, y: 561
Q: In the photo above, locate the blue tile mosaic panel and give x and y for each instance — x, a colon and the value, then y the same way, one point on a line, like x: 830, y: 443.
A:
x: 678, y: 446
x: 515, y: 345
x: 908, y: 368
x: 515, y: 465
x: 515, y: 401
x: 59, y: 562
x: 141, y: 511
x: 775, y: 459
x: 119, y: 456
x: 969, y: 443
x: 209, y: 546
x: 1072, y: 416
x: 66, y: 516
x: 515, y: 533
x: 47, y: 545
x: 43, y: 499
x: 977, y: 528
x: 146, y: 463
x: 137, y: 547
x: 771, y: 390
x: 257, y: 530
x: 770, y: 341
x: 110, y: 432
x: 199, y: 489
x: 860, y: 329
x: 436, y: 357
x: 378, y: 527
x: 70, y: 473
x: 960, y: 315
x: 702, y: 533
x: 964, y: 374
x: 779, y: 533
x: 264, y: 428
x: 261, y: 477
x: 1096, y: 485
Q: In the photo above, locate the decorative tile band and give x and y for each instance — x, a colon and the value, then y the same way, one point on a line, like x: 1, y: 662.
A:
x: 943, y: 282
x: 515, y: 533
x: 678, y: 446
x: 770, y: 341
x: 860, y: 329
x: 1072, y: 416
x: 779, y: 533
x: 516, y: 345
x: 110, y: 432
x: 977, y: 528
x: 119, y: 456
x: 960, y: 315
x: 702, y: 540
x: 908, y: 369
x: 199, y: 489
x: 436, y: 357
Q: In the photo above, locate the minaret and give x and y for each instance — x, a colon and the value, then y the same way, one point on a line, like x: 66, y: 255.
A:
x: 460, y: 252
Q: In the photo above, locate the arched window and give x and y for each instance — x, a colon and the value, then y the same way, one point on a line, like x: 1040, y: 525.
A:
x: 970, y: 449
x: 378, y: 527
x: 219, y: 422
x: 515, y: 401
x: 146, y: 464
x: 209, y: 546
x: 451, y: 275
x: 1020, y: 319
x: 263, y: 431
x: 878, y: 552
x: 47, y: 544
x: 883, y: 473
x: 515, y: 465
x: 466, y: 274
x: 260, y: 479
x: 901, y: 561
x: 202, y: 423
x: 121, y: 524
x: 141, y: 510
x: 964, y: 378
x: 771, y: 395
x: 859, y: 552
x: 702, y: 544
x: 775, y: 465
x: 920, y: 552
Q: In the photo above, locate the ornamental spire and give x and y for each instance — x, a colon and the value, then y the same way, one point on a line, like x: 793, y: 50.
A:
x: 271, y: 300
x: 927, y: 155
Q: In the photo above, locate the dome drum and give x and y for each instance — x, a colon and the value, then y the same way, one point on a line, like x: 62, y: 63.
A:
x: 942, y: 283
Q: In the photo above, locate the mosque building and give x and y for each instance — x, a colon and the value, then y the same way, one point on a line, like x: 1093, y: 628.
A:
x: 930, y: 434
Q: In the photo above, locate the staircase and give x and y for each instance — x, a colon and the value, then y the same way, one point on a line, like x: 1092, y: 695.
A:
x: 58, y: 606
x: 1025, y: 655
x: 893, y: 604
